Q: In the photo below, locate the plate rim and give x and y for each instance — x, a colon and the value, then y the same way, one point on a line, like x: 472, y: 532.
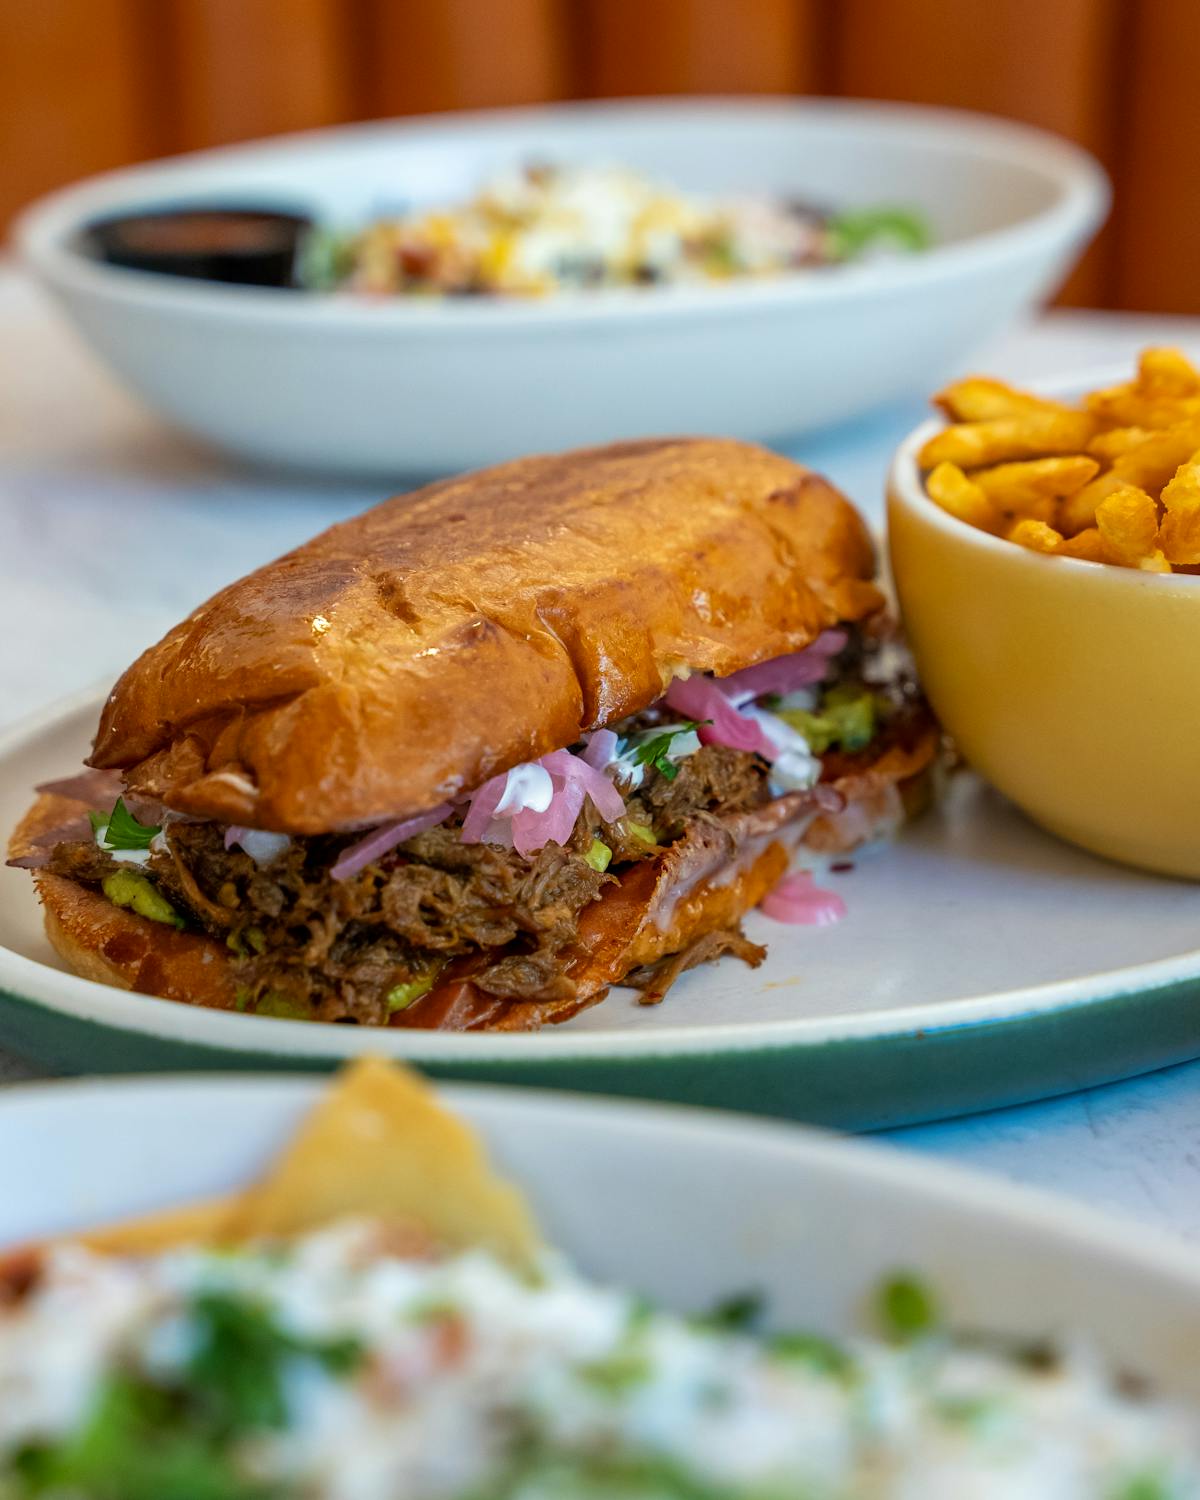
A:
x: 83, y: 1000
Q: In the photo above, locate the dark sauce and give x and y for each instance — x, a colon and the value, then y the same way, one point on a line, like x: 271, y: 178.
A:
x: 245, y: 245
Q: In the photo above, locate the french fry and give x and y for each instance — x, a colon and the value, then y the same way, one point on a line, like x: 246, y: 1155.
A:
x: 1077, y: 512
x: 1128, y: 523
x: 1054, y: 477
x: 1086, y: 546
x: 980, y: 399
x: 1034, y: 487
x: 1167, y: 372
x: 1181, y: 515
x: 1035, y: 535
x: 959, y: 496
x: 1153, y: 462
x: 1147, y: 466
x: 1027, y: 507
x: 1117, y: 440
x: 1034, y: 434
x: 1126, y: 406
x: 1116, y: 480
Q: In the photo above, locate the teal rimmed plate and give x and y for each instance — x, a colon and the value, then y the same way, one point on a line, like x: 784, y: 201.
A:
x: 981, y: 964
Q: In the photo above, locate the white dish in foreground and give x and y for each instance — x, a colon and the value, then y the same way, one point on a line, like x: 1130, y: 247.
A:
x: 409, y: 386
x: 981, y: 962
x: 809, y: 1221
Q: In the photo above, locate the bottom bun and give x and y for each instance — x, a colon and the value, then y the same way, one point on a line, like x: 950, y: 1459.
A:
x: 113, y: 946
x: 117, y: 947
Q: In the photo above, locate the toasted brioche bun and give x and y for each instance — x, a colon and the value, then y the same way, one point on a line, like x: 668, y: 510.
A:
x: 109, y: 944
x: 114, y: 946
x: 657, y: 908
x: 402, y: 658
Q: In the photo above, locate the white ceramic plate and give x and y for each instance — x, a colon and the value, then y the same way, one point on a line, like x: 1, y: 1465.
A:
x: 809, y: 1221
x: 981, y: 963
x: 406, y: 387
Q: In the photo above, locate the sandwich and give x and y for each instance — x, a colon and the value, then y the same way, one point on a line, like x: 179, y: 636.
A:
x: 475, y: 756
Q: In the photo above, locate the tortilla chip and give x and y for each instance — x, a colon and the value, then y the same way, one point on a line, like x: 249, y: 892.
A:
x: 194, y: 1224
x: 379, y: 1144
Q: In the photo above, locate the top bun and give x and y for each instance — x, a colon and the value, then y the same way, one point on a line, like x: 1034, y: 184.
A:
x: 405, y: 656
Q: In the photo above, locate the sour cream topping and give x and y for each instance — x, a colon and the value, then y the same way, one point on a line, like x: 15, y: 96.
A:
x: 262, y: 846
x: 527, y: 787
x: 128, y: 856
x: 794, y: 768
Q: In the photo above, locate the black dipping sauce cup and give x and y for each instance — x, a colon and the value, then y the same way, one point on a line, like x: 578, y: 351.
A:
x: 251, y: 246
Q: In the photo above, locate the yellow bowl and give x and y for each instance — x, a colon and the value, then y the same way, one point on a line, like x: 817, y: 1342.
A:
x: 1073, y: 687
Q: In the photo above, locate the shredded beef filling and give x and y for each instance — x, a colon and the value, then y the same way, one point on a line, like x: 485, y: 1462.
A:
x: 358, y: 949
x: 655, y: 980
x: 714, y: 780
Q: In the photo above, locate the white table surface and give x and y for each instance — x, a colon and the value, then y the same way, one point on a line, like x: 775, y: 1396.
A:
x: 112, y: 527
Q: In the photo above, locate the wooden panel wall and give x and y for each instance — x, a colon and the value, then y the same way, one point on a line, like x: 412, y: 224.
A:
x: 1004, y: 56
x: 469, y: 53
x: 698, y: 47
x: 1157, y: 229
x: 71, y: 93
x: 87, y: 84
x: 235, y: 69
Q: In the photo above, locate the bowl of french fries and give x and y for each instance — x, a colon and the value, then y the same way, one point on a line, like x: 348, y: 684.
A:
x: 1045, y: 552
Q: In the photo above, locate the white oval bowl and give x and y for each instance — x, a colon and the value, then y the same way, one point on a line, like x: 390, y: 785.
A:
x: 810, y: 1221
x: 405, y: 387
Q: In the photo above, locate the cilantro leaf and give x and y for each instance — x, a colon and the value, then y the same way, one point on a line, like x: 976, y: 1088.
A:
x: 1147, y: 1485
x: 736, y: 1314
x: 123, y: 830
x: 618, y: 1373
x: 817, y: 1353
x: 235, y: 1376
x: 235, y: 1373
x: 137, y: 1444
x: 543, y: 1469
x: 177, y: 1439
x: 856, y: 231
x: 907, y: 1308
x: 655, y: 751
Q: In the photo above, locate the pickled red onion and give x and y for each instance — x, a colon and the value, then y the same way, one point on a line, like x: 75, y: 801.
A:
x: 574, y: 769
x: 702, y: 698
x: 574, y: 778
x: 383, y: 839
x: 712, y: 698
x: 532, y: 830
x: 601, y: 749
x: 784, y: 674
x: 797, y: 900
